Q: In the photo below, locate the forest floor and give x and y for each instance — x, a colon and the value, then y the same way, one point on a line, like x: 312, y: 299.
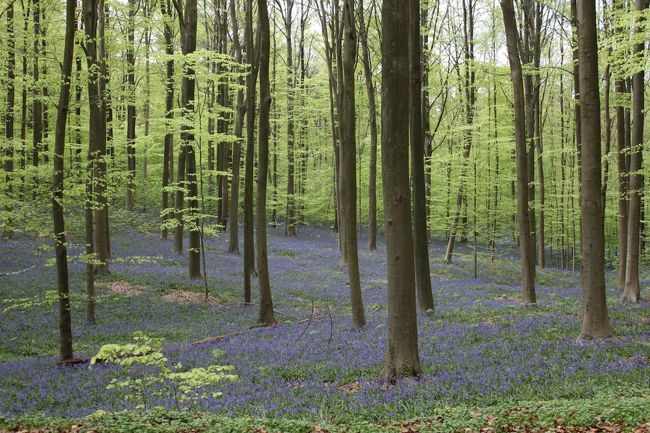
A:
x: 488, y: 362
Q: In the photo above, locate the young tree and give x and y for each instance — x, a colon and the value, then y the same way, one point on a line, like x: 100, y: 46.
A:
x: 168, y: 147
x: 291, y: 222
x: 420, y: 231
x: 130, y: 109
x: 372, y: 125
x: 526, y: 250
x: 187, y: 16
x: 9, y: 114
x: 266, y: 315
x: 348, y: 167
x: 402, y: 357
x: 595, y: 319
x: 233, y: 239
x: 65, y: 319
x: 251, y: 80
x: 632, y: 292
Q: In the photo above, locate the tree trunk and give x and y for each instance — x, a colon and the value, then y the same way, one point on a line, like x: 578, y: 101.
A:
x: 402, y: 358
x: 65, y: 318
x: 348, y: 163
x: 188, y: 23
x: 372, y: 126
x: 251, y: 80
x: 168, y: 148
x: 130, y: 109
x: 9, y: 116
x: 233, y: 229
x: 595, y: 320
x: 420, y: 233
x: 525, y: 242
x: 266, y: 315
x: 632, y: 292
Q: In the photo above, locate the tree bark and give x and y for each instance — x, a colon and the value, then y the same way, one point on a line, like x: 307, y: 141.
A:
x: 420, y: 233
x: 402, y: 357
x: 595, y: 319
x: 632, y: 292
x: 65, y: 317
x: 525, y: 242
x: 130, y: 109
x: 266, y: 315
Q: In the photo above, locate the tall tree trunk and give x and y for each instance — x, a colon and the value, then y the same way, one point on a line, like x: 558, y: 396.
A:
x: 632, y: 292
x: 168, y: 147
x: 9, y: 116
x: 348, y: 163
x: 420, y: 233
x: 102, y: 243
x: 470, y: 99
x: 623, y: 174
x: 266, y: 315
x: 372, y: 126
x: 595, y: 320
x: 23, y: 108
x: 233, y: 229
x: 402, y: 357
x: 188, y: 23
x: 65, y: 317
x: 525, y: 243
x: 37, y: 104
x: 251, y: 80
x: 290, y: 223
x: 130, y: 109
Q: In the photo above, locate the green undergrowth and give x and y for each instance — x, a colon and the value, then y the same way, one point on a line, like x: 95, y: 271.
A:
x: 616, y: 413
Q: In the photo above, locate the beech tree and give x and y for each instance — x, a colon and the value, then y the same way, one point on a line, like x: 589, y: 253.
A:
x: 60, y: 246
x: 595, y: 319
x: 402, y: 357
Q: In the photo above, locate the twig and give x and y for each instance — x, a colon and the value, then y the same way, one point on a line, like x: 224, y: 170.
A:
x: 311, y: 316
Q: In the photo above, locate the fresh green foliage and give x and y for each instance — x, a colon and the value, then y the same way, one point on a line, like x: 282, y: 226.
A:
x: 147, y: 372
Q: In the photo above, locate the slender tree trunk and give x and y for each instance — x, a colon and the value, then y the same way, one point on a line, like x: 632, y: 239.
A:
x: 372, y: 126
x: 9, y: 116
x: 525, y: 242
x: 402, y: 357
x: 65, y: 317
x: 348, y: 163
x: 632, y: 292
x: 290, y: 227
x: 100, y: 179
x: 595, y: 320
x: 37, y: 104
x: 233, y: 229
x: 168, y: 147
x: 130, y: 110
x: 251, y: 80
x: 420, y: 233
x: 266, y: 315
x: 188, y: 23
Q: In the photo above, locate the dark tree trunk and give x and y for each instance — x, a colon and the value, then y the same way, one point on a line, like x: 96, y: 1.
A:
x: 266, y: 315
x: 233, y: 229
x: 595, y: 320
x: 290, y: 227
x: 632, y: 292
x: 420, y: 233
x: 37, y: 105
x: 9, y: 115
x: 188, y: 23
x: 348, y: 167
x: 402, y: 358
x: 168, y: 149
x: 525, y: 243
x: 130, y: 109
x: 251, y: 80
x: 372, y: 125
x: 65, y: 318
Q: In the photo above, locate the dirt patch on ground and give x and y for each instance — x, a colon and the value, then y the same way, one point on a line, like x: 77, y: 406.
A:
x: 121, y: 287
x: 186, y: 297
